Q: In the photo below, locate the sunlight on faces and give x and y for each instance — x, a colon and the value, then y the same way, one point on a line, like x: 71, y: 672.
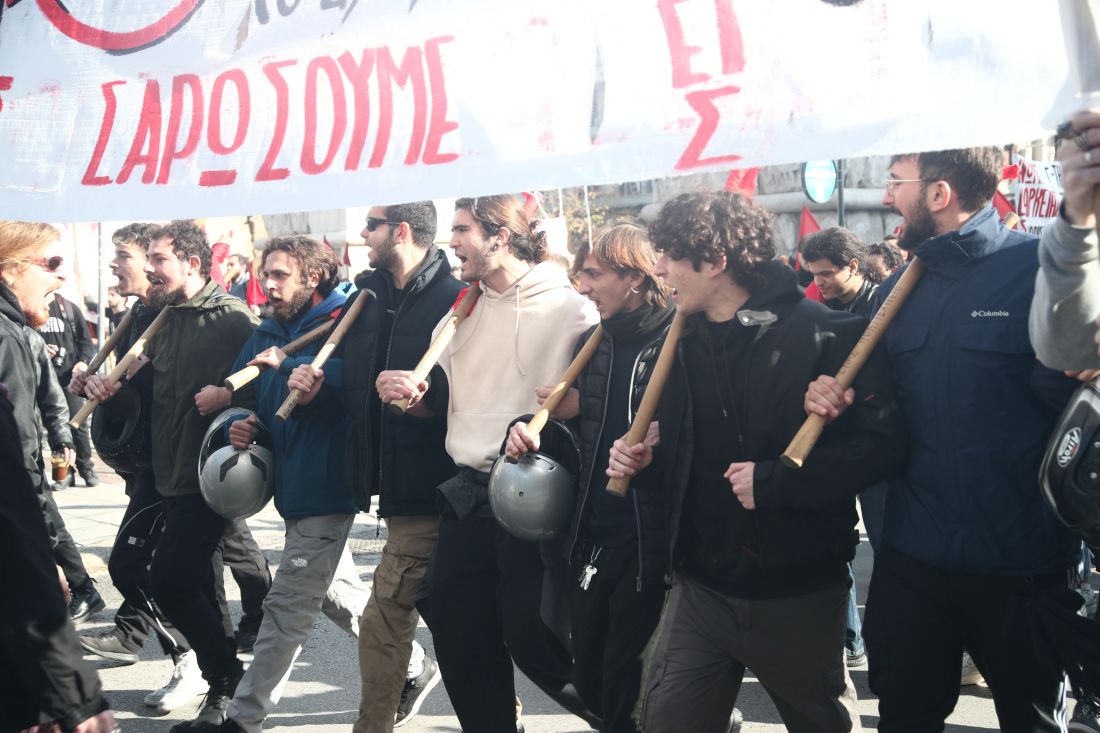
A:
x: 288, y: 289
x: 128, y: 266
x: 691, y: 290
x: 608, y: 289
x: 167, y: 275
x: 909, y: 201
x: 832, y: 281
x: 380, y: 244
x: 470, y: 247
x: 32, y: 283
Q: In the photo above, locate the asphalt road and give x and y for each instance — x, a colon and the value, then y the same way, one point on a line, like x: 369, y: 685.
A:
x: 323, y: 691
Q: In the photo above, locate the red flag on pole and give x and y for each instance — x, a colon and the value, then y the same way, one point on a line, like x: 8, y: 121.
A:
x: 807, y: 224
x: 254, y: 291
x: 743, y: 181
x: 218, y: 252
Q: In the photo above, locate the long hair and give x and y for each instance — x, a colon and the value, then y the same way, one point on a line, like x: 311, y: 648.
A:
x: 506, y: 211
x: 624, y: 246
x: 21, y: 240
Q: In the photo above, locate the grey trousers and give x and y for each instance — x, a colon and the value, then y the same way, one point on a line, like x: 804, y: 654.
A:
x: 794, y: 646
x: 316, y: 575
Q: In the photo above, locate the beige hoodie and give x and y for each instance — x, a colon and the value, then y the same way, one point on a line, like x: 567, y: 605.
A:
x: 512, y: 343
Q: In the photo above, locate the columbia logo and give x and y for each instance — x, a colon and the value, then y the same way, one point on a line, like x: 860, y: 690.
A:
x: 989, y: 314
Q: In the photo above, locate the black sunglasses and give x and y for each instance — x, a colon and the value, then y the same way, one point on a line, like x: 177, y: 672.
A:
x: 49, y: 264
x: 373, y: 223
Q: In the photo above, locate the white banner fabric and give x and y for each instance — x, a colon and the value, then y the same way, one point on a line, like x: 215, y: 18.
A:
x: 152, y: 109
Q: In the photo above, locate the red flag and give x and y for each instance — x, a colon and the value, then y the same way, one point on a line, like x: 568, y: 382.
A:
x: 807, y: 224
x: 254, y: 291
x: 347, y: 254
x: 218, y: 252
x: 742, y: 181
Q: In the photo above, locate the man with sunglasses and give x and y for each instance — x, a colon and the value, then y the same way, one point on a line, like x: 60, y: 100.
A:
x: 399, y: 458
x: 968, y: 543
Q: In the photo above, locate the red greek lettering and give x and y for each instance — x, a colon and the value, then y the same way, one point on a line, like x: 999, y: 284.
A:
x: 309, y: 162
x: 111, y: 106
x: 410, y: 70
x: 145, y: 148
x: 682, y: 75
x: 438, y: 124
x: 709, y: 116
x: 359, y: 76
x: 181, y: 83
x: 268, y: 171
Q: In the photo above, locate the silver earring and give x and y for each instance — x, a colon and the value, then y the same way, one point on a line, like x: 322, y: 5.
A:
x: 636, y: 291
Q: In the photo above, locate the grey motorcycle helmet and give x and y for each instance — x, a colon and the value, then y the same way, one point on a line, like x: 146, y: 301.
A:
x: 1070, y: 473
x: 236, y: 483
x: 533, y: 498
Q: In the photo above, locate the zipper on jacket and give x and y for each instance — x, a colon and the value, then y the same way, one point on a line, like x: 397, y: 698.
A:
x: 599, y: 434
x: 385, y: 365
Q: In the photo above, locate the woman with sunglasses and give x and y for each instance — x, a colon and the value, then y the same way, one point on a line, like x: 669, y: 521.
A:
x: 50, y: 678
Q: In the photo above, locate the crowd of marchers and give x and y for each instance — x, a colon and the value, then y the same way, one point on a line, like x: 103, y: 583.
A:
x: 968, y: 439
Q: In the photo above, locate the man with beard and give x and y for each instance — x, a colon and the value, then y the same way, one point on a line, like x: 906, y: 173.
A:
x: 400, y: 459
x: 41, y: 670
x: 205, y: 330
x: 142, y: 522
x: 312, y: 494
x: 969, y: 545
x: 487, y: 586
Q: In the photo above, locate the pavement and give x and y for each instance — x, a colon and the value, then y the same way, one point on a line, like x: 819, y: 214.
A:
x: 323, y: 692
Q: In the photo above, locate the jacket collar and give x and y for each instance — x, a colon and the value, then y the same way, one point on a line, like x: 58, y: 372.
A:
x: 640, y: 323
x: 201, y: 298
x: 980, y: 236
x: 9, y: 306
x: 770, y: 302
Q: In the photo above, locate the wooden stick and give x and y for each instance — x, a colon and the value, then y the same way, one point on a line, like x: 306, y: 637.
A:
x: 803, y: 441
x: 240, y: 378
x: 111, y: 342
x: 580, y: 361
x: 120, y: 368
x: 440, y: 342
x: 1011, y: 220
x: 331, y: 343
x: 652, y: 396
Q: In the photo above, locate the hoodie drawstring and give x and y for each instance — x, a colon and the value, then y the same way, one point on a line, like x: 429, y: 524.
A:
x: 519, y: 364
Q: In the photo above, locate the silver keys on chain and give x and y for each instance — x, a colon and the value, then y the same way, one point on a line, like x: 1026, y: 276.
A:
x: 586, y: 575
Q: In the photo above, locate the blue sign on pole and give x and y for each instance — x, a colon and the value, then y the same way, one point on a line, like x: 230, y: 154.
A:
x: 819, y: 180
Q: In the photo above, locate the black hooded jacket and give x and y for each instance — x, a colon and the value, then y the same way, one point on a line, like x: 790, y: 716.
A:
x: 736, y: 395
x: 642, y: 331
x: 398, y: 457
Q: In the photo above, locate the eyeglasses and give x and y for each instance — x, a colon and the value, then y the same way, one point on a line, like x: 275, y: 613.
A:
x: 373, y: 223
x: 893, y: 183
x: 49, y: 264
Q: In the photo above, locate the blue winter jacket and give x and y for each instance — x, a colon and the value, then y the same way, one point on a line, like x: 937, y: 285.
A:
x: 310, y: 478
x: 977, y: 408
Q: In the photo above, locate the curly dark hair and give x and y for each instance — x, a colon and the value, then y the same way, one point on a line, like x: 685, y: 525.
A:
x: 311, y: 257
x: 708, y: 225
x: 134, y: 235
x: 188, y: 240
x: 527, y: 243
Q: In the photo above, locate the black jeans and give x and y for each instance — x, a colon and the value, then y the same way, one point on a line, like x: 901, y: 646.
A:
x: 485, y: 598
x: 919, y: 618
x: 137, y: 539
x: 82, y: 441
x: 66, y: 553
x: 184, y: 583
x: 612, y: 622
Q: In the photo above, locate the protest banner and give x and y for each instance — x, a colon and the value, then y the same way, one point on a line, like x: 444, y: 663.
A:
x: 118, y: 109
x: 1038, y: 192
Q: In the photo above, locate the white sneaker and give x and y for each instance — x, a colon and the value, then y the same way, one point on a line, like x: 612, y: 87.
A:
x: 185, y: 684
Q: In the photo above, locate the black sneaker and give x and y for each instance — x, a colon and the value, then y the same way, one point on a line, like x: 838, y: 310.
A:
x: 415, y: 691
x: 85, y: 602
x: 213, y: 713
x: 107, y: 645
x: 63, y: 483
x: 1086, y: 715
x: 90, y: 479
x: 246, y: 640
